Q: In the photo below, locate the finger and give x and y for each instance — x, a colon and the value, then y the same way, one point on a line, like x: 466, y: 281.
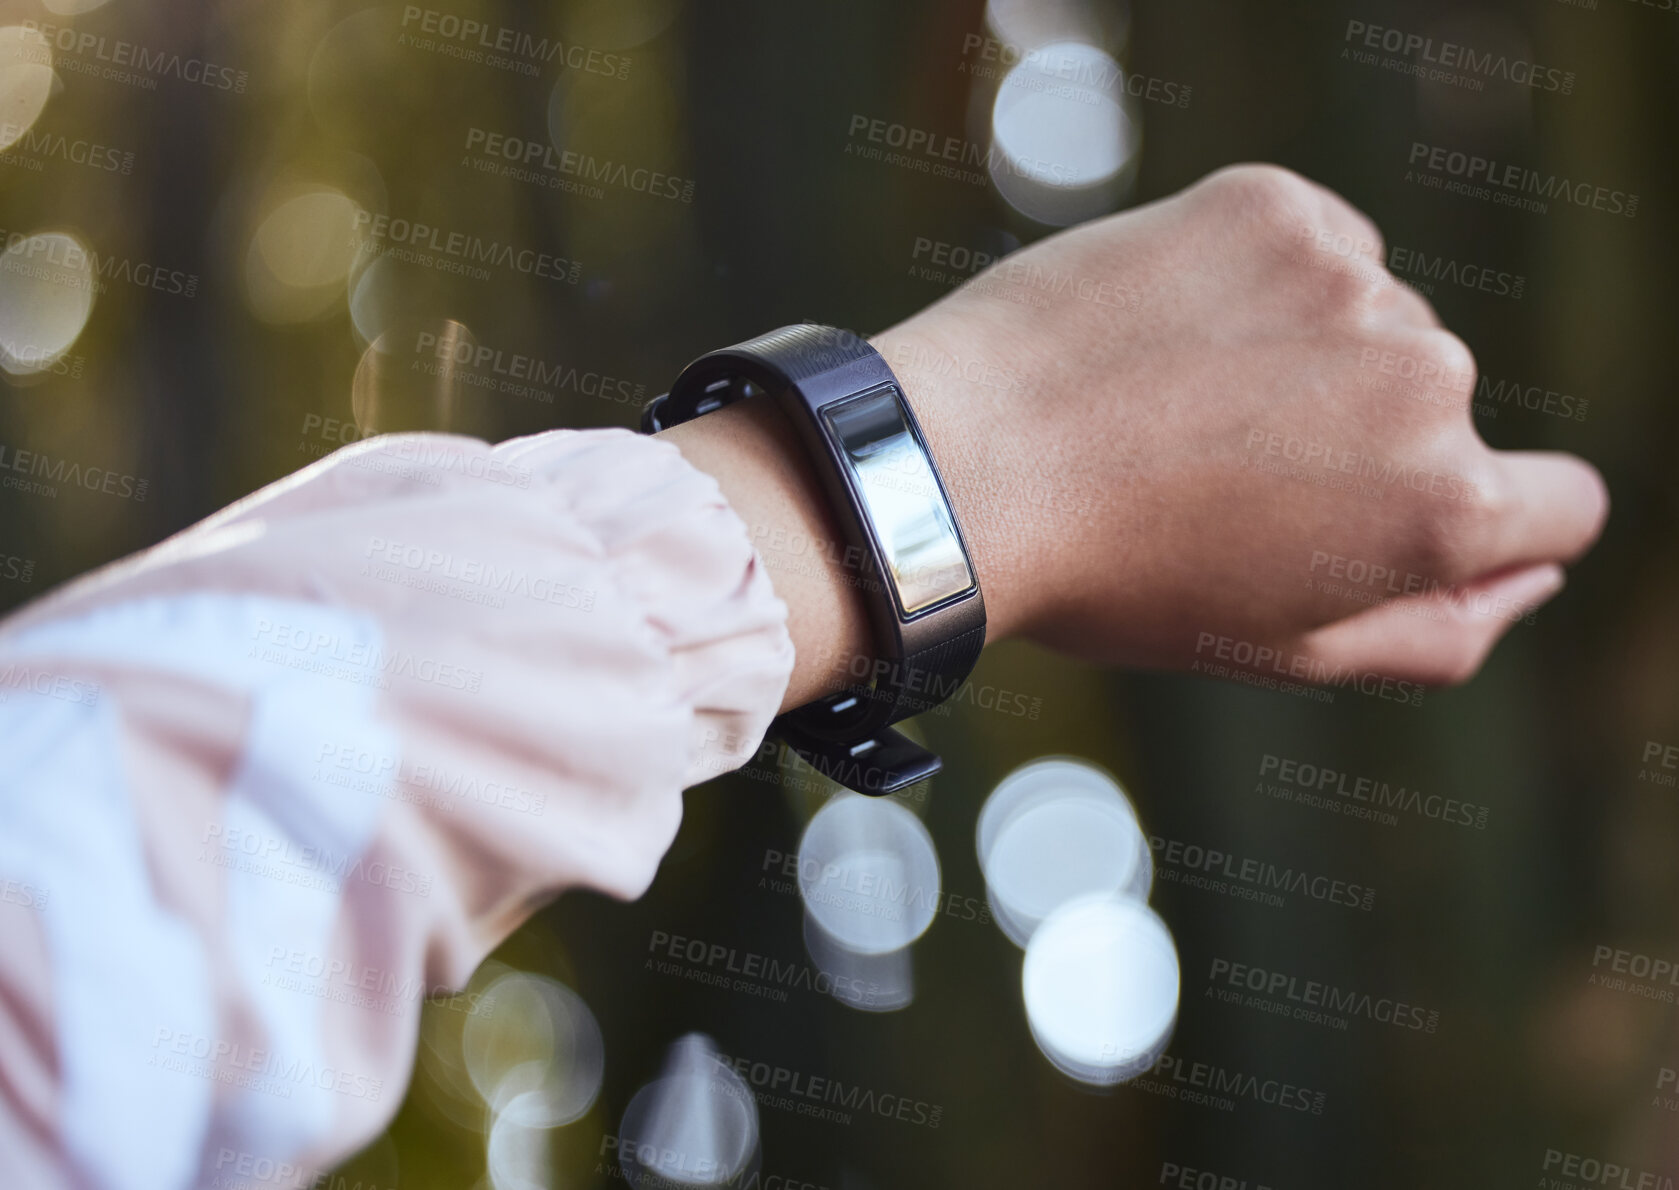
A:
x: 1397, y: 306
x: 1440, y: 638
x: 1551, y: 508
x: 1428, y: 363
x: 1396, y: 303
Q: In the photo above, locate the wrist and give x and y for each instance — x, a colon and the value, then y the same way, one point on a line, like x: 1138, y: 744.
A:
x: 961, y: 420
x: 762, y: 468
x: 752, y: 451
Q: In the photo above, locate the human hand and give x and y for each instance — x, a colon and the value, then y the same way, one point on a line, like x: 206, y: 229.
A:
x: 1216, y: 425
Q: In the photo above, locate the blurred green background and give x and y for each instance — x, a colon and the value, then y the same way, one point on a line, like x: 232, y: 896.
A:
x: 295, y: 336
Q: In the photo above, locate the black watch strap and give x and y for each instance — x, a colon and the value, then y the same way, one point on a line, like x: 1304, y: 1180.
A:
x: 920, y: 660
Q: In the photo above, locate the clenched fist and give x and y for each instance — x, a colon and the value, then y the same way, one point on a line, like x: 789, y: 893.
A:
x: 1216, y: 429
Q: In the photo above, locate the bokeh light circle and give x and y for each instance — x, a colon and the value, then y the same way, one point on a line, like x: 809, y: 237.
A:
x: 866, y: 982
x: 411, y: 378
x: 300, y: 256
x: 516, y: 1153
x: 47, y: 287
x: 869, y: 873
x: 1101, y: 985
x: 1064, y: 144
x: 1054, y: 830
x: 26, y: 81
x: 534, y: 1051
x: 695, y: 1125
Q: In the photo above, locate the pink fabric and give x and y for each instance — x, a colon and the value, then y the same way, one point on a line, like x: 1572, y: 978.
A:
x: 573, y: 626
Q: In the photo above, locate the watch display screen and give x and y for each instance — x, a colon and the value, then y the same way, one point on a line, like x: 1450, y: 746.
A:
x: 912, y: 521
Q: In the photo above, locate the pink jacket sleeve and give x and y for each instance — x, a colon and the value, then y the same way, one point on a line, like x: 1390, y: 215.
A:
x: 348, y: 732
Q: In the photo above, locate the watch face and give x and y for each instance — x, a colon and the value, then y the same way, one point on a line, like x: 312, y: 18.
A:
x: 912, y: 521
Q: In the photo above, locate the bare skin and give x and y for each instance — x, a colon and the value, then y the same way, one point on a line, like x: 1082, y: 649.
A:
x: 1211, y: 422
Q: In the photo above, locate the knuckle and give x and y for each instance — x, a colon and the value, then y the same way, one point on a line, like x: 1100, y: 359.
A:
x: 1451, y: 353
x: 1353, y: 290
x: 1447, y: 537
x: 1427, y: 360
x: 1486, y: 500
x: 1342, y: 213
x: 1277, y: 198
x: 1403, y: 297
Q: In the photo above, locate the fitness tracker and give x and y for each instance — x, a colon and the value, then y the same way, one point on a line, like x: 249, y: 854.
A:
x: 917, y: 578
